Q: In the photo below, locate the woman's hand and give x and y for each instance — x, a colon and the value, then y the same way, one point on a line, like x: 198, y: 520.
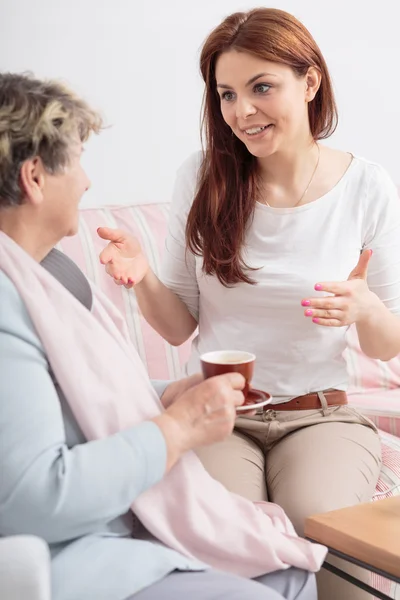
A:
x: 351, y: 302
x: 202, y: 415
x: 123, y: 257
x: 175, y: 389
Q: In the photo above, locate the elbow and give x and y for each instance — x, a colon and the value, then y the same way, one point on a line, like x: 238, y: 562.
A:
x: 383, y: 356
x: 177, y: 340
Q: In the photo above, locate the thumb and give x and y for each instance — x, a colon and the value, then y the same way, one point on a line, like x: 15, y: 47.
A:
x: 361, y: 268
x: 112, y: 235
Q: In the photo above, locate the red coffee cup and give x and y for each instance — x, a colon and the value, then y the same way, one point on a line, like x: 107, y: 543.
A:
x: 234, y: 361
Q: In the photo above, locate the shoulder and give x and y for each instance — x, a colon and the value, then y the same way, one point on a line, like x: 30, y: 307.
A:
x: 376, y: 175
x: 186, y: 181
x: 14, y: 317
x: 370, y: 188
x: 191, y: 165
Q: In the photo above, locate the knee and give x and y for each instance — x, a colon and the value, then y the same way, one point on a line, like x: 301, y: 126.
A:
x: 25, y: 566
x: 292, y: 584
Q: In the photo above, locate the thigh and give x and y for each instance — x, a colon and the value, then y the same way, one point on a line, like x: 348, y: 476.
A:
x: 208, y: 585
x: 323, y: 467
x: 239, y: 464
x: 293, y: 584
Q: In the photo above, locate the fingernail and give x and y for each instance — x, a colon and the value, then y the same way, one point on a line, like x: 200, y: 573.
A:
x: 371, y: 252
x: 309, y: 313
x: 318, y: 287
x: 306, y: 303
x: 131, y: 281
x: 315, y: 320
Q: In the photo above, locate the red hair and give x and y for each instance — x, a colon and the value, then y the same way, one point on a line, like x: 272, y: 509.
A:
x: 228, y: 184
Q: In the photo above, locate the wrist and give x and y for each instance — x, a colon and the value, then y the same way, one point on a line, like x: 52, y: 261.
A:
x: 371, y: 311
x: 146, y: 279
x: 176, y: 440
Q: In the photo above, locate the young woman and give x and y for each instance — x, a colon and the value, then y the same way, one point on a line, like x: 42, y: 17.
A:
x: 276, y: 244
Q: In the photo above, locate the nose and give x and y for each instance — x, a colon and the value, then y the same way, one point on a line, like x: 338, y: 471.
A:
x: 244, y: 108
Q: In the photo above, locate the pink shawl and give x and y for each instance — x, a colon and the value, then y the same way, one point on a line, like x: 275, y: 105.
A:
x: 108, y: 390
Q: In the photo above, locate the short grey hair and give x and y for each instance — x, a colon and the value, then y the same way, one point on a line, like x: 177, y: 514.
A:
x: 38, y: 119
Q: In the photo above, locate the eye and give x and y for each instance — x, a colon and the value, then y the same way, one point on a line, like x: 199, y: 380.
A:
x: 228, y: 96
x: 261, y: 88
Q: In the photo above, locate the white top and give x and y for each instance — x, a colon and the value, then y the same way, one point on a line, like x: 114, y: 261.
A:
x: 293, y: 248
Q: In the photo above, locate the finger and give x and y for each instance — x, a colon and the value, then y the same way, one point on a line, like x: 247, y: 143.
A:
x: 325, y: 303
x: 329, y: 322
x: 318, y: 313
x: 361, y: 269
x: 195, y: 379
x: 339, y: 288
x: 225, y: 404
x: 106, y: 255
x: 118, y: 236
x: 234, y: 380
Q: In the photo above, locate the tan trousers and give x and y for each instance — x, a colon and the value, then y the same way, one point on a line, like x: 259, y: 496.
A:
x: 308, y: 462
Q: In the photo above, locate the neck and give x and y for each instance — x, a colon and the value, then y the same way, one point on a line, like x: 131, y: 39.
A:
x: 26, y: 232
x: 286, y: 168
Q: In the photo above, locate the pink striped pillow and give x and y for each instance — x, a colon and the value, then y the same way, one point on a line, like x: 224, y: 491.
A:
x: 374, y: 386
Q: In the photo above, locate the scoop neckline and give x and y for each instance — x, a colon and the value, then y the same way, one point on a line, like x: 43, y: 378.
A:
x: 317, y: 201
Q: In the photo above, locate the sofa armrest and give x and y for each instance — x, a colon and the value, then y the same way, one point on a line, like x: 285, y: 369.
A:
x: 24, y: 568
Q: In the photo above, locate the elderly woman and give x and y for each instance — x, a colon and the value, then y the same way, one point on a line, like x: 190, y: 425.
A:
x: 74, y: 458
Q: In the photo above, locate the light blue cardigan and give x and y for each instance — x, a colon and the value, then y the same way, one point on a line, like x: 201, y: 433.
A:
x: 73, y: 493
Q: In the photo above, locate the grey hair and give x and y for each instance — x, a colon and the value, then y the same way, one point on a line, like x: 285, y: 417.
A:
x: 38, y: 119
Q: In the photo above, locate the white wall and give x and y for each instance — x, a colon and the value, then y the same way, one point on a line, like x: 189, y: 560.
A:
x: 138, y: 62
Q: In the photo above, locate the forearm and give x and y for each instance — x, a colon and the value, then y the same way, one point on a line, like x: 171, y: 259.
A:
x: 379, y: 333
x: 61, y: 494
x: 164, y: 311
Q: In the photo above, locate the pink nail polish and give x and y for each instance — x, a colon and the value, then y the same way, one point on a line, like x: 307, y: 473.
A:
x: 318, y: 287
x: 315, y: 320
x: 309, y: 312
x: 306, y: 303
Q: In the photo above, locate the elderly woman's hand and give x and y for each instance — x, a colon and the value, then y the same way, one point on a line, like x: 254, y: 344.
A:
x: 176, y: 388
x: 202, y: 415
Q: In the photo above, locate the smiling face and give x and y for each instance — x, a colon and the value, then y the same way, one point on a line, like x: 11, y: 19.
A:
x: 264, y: 103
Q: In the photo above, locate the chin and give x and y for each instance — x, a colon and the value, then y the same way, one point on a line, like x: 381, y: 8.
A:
x: 261, y: 152
x: 72, y: 231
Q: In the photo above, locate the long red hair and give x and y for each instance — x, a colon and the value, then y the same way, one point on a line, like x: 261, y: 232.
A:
x: 228, y: 184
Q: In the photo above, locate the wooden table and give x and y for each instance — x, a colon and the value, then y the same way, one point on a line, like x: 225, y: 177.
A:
x: 367, y: 535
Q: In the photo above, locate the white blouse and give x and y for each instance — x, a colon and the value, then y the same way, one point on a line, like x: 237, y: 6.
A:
x: 293, y: 249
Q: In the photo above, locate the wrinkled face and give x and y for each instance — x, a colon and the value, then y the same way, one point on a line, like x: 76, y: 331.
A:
x: 62, y: 194
x: 264, y: 103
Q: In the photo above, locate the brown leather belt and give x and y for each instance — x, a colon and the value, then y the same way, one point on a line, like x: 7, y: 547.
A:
x: 311, y: 401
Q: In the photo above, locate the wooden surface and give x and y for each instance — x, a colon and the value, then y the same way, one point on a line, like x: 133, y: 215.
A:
x: 368, y: 532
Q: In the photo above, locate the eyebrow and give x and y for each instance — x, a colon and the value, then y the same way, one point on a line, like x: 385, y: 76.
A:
x: 252, y: 80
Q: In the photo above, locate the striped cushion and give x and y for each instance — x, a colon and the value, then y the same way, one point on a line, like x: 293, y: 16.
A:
x: 374, y: 386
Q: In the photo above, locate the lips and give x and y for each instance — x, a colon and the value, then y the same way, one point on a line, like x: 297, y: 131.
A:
x: 256, y: 131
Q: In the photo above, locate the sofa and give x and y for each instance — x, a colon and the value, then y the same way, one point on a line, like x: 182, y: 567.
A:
x: 374, y: 385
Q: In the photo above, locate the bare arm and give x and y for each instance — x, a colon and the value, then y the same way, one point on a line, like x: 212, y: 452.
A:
x: 164, y: 310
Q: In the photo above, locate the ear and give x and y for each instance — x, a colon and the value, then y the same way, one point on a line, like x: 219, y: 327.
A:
x: 313, y: 81
x: 32, y: 180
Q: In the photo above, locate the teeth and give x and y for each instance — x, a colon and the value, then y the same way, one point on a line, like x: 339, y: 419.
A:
x: 256, y: 130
